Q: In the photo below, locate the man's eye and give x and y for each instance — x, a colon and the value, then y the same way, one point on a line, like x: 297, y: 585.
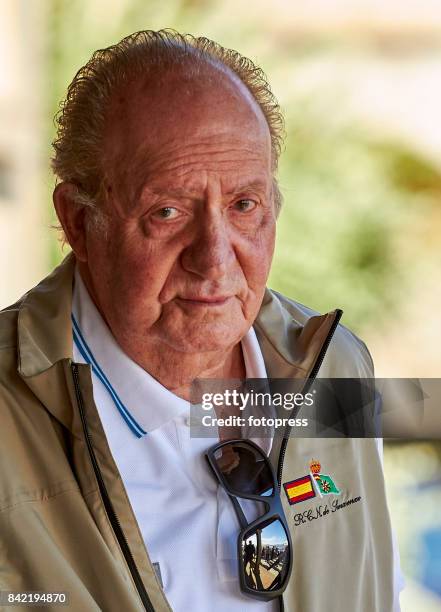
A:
x: 168, y: 212
x: 245, y: 205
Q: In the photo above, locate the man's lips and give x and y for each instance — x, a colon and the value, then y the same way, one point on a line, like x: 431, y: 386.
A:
x: 216, y: 300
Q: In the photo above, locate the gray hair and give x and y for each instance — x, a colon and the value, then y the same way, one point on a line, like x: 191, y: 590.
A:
x: 81, y: 120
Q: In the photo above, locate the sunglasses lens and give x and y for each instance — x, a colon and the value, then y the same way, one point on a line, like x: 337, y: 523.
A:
x: 244, y: 469
x: 265, y: 556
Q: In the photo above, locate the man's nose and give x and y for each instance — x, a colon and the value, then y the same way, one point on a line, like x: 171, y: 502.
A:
x: 211, y: 252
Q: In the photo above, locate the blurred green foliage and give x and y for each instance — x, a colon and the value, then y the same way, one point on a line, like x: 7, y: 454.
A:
x: 349, y: 202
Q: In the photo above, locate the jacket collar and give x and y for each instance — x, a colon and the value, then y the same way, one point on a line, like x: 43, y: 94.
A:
x: 44, y: 324
x: 290, y: 340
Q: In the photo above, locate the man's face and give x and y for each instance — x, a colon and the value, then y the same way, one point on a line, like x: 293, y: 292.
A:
x: 190, y: 217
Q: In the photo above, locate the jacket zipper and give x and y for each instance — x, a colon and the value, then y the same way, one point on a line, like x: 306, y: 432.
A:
x: 111, y: 514
x: 311, y: 378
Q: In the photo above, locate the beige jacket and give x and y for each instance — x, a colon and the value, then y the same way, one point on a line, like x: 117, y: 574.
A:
x: 66, y: 523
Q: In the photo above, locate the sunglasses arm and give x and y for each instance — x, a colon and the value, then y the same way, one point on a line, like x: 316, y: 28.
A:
x: 239, y: 512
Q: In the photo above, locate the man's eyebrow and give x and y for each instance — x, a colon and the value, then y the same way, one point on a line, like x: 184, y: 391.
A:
x: 250, y: 186
x: 173, y: 191
x: 156, y: 191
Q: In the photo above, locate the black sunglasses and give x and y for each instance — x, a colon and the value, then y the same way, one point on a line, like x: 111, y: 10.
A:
x: 264, y: 546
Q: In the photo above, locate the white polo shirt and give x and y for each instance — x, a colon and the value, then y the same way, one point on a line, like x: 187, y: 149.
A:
x: 187, y: 521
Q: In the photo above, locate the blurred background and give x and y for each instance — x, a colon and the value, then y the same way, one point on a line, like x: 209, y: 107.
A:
x: 360, y: 85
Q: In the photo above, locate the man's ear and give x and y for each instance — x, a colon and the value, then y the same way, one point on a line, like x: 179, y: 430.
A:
x: 72, y: 216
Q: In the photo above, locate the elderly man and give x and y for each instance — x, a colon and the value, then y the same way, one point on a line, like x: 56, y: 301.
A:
x: 166, y: 155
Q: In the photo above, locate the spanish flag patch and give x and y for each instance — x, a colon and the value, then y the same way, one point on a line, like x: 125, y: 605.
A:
x: 300, y: 489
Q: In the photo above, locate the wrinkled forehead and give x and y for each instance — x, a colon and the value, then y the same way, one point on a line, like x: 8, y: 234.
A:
x: 170, y: 114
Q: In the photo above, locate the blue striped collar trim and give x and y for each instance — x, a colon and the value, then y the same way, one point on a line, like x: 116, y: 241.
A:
x: 88, y: 357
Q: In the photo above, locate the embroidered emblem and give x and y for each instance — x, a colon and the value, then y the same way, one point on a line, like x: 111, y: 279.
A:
x: 324, y: 483
x: 300, y: 489
x: 307, y: 487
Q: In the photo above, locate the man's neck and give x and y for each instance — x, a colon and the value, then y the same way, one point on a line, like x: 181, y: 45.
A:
x: 177, y: 371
